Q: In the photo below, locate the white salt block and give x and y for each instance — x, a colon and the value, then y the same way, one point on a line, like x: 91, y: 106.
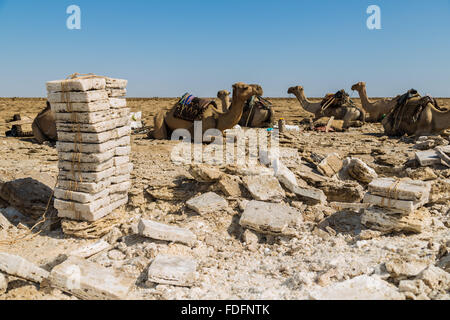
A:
x: 159, y: 231
x: 22, y: 268
x: 92, y: 216
x: 120, y: 187
x: 91, y: 249
x: 91, y: 117
x: 395, y: 205
x: 172, y: 270
x: 86, y: 157
x: 121, y: 178
x: 86, y: 166
x: 86, y: 176
x: 76, y: 84
x: 80, y: 197
x: 84, y: 96
x: 94, y: 106
x: 89, y: 187
x: 116, y: 92
x: 113, y: 83
x: 118, y: 161
x: 88, y: 148
x: 403, y: 190
x: 90, y: 281
x: 123, y: 169
x: 117, y: 197
x: 123, y: 151
x: 117, y: 103
x: 84, y: 137
x: 94, y: 128
x: 83, y: 208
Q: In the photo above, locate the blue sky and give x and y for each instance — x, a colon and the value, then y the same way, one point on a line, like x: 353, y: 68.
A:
x: 165, y: 48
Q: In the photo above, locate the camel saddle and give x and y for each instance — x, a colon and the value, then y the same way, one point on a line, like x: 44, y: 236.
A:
x: 339, y: 99
x: 191, y: 108
x: 408, y: 109
x: 250, y: 108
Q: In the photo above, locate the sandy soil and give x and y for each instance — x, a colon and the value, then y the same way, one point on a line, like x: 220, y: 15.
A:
x: 229, y: 268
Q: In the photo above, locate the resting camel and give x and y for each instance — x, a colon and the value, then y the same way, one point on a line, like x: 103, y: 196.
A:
x: 260, y: 116
x: 378, y: 109
x: 347, y: 113
x: 43, y: 126
x: 165, y: 121
x: 417, y: 116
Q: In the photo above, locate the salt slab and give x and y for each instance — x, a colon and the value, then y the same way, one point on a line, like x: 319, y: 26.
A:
x: 83, y: 84
x: 86, y: 96
x: 172, y: 270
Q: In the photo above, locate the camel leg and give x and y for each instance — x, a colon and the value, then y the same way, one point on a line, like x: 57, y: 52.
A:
x: 160, y: 128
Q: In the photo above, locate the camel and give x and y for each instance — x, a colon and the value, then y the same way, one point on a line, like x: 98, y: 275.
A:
x: 211, y: 117
x: 260, y: 116
x: 378, y: 109
x: 224, y: 97
x: 347, y: 113
x: 44, y: 126
x: 418, y: 116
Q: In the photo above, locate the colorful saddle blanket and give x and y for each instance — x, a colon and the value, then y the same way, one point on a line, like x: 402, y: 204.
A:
x: 191, y: 108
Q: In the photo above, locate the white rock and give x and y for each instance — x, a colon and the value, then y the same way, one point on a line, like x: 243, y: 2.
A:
x: 122, y: 187
x: 19, y: 267
x: 310, y: 196
x: 266, y: 217
x: 435, y: 278
x: 93, y: 106
x: 331, y: 165
x: 359, y: 288
x: 172, y: 270
x: 90, y: 281
x: 207, y: 203
x: 285, y: 176
x: 359, y: 170
x: 90, y: 250
x: 159, y: 231
x: 428, y: 158
x: 264, y: 188
x: 114, y: 93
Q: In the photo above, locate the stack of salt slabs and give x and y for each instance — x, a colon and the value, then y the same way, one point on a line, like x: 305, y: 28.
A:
x: 395, y: 204
x: 93, y: 127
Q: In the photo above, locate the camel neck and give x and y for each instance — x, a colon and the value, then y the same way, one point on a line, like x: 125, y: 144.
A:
x: 304, y: 102
x: 364, y: 98
x: 233, y: 115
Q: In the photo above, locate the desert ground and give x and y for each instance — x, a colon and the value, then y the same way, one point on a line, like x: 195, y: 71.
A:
x: 330, y: 246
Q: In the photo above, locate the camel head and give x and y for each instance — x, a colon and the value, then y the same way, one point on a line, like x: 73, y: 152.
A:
x: 222, y: 94
x: 246, y: 91
x: 294, y: 90
x: 358, y: 86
